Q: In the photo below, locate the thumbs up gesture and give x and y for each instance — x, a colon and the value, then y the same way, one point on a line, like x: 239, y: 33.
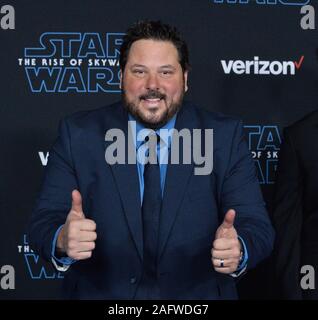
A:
x: 77, y: 236
x: 226, y: 251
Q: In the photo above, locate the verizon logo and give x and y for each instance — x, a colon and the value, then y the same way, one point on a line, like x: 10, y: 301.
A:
x: 261, y: 67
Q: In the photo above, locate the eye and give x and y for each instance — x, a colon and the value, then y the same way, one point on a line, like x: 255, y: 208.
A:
x: 138, y: 72
x: 166, y: 73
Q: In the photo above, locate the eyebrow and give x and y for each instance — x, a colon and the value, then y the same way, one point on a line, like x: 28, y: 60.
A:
x: 138, y: 66
x: 167, y: 66
x: 161, y: 67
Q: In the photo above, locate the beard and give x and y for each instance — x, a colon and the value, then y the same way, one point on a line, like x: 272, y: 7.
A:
x: 152, y: 119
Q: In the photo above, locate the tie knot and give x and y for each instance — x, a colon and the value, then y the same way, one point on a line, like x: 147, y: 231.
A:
x: 151, y: 142
x: 152, y: 137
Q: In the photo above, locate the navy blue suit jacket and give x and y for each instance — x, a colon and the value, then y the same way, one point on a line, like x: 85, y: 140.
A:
x: 193, y: 207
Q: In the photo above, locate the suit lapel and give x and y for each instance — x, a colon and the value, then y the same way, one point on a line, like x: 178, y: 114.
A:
x: 176, y: 180
x: 126, y: 177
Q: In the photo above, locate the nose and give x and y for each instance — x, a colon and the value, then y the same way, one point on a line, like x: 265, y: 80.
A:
x: 152, y: 82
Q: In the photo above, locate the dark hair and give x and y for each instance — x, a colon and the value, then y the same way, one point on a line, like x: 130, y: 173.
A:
x: 154, y: 30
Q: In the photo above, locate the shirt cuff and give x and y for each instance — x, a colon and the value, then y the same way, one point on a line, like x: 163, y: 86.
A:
x: 63, y: 263
x: 243, y: 260
x: 61, y: 268
x: 244, y: 257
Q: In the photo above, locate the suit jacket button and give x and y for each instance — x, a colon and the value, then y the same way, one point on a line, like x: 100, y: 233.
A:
x: 133, y: 280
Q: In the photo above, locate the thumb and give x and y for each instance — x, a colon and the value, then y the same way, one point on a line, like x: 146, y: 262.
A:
x: 229, y: 218
x: 77, y: 204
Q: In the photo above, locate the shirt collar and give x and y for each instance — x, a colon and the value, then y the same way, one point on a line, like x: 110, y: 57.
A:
x: 164, y: 135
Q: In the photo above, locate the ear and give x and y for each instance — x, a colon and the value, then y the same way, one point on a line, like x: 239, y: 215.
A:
x: 185, y: 77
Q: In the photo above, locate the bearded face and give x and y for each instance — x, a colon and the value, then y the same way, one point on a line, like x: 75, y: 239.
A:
x: 153, y: 82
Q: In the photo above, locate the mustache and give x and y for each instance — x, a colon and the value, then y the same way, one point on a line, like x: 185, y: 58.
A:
x: 152, y: 94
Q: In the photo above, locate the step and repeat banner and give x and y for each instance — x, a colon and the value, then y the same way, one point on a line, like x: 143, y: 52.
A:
x: 254, y: 59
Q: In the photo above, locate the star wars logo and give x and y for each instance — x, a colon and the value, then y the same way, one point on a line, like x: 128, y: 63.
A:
x: 73, y: 62
x: 264, y: 144
x: 36, y: 267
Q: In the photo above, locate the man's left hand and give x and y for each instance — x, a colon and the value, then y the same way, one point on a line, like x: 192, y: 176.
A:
x: 226, y: 251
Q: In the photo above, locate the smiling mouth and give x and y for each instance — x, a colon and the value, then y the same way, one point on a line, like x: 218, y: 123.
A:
x: 152, y: 101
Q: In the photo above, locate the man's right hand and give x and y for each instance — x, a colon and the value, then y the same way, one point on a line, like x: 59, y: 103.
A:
x: 77, y: 236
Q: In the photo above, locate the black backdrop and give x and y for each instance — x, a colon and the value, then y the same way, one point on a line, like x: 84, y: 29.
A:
x: 34, y: 98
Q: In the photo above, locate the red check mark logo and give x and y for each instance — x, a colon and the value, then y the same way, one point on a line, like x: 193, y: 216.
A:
x: 300, y: 62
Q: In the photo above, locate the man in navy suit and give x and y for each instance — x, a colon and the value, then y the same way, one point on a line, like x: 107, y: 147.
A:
x: 150, y: 229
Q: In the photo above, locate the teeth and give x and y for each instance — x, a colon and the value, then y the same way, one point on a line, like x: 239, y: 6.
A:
x: 153, y: 99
